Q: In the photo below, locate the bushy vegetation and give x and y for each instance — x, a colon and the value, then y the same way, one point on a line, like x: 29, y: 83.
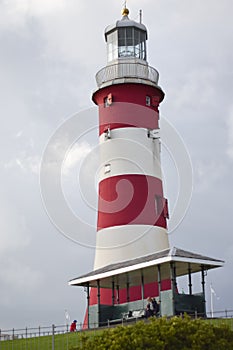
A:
x: 161, y: 334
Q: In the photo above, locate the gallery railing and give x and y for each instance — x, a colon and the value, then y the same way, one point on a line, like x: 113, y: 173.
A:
x: 127, y: 70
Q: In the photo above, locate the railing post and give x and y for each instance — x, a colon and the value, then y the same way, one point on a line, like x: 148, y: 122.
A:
x: 142, y: 288
x: 159, y: 287
x: 203, y: 287
x: 53, y: 333
x: 88, y: 305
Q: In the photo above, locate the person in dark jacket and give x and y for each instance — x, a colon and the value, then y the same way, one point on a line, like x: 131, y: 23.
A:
x: 155, y: 306
x: 148, y: 311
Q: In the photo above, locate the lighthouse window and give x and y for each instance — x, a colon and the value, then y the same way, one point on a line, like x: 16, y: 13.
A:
x: 165, y: 209
x: 112, y: 46
x: 108, y: 100
x: 148, y: 101
x: 126, y: 42
x: 131, y: 43
x: 140, y: 44
x: 107, y: 168
x: 158, y: 205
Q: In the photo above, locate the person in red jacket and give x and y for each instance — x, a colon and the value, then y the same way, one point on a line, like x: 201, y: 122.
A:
x: 73, y: 326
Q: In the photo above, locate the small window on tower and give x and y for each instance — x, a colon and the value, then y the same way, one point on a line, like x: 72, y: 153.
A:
x: 158, y: 205
x: 107, y: 168
x: 108, y: 100
x: 165, y: 208
x: 148, y: 101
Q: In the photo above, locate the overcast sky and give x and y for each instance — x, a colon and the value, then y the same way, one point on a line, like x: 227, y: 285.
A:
x: 50, y: 52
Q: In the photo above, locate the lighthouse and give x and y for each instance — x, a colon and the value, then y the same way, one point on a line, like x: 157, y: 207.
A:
x: 133, y: 260
x: 132, y: 210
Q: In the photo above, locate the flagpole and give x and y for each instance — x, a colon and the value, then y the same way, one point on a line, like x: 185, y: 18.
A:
x: 67, y: 316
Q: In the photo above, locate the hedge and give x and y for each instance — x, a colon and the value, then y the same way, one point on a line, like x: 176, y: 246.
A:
x: 161, y: 334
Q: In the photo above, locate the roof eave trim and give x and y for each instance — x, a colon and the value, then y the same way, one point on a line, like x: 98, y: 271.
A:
x: 99, y: 276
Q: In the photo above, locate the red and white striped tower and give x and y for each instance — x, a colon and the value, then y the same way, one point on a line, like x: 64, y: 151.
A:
x: 132, y: 210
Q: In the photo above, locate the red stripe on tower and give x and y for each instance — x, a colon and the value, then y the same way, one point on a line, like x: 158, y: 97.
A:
x: 138, y: 200
x: 131, y: 105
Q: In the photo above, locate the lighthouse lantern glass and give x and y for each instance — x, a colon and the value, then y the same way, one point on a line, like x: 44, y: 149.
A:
x: 126, y: 42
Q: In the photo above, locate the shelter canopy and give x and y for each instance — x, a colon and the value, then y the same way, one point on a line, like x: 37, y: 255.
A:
x: 130, y: 271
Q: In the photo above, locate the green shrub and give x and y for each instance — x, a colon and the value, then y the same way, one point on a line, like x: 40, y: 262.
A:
x: 162, y: 334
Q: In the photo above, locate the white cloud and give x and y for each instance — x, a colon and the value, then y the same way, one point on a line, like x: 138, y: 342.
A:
x: 15, y: 13
x: 19, y: 134
x: 13, y: 229
x: 38, y: 7
x: 73, y: 157
x: 27, y: 164
x: 58, y: 24
x: 207, y: 173
x: 189, y: 95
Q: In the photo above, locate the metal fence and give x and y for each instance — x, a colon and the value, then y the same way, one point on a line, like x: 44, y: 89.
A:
x: 40, y: 338
x: 58, y: 337
x: 220, y: 314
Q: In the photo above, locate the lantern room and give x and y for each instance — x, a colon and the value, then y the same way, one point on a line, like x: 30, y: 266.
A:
x: 126, y: 39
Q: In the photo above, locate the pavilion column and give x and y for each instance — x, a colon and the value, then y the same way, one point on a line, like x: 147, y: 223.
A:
x: 113, y: 293
x: 98, y: 301
x: 190, y: 279
x: 159, y: 288
x: 127, y: 289
x: 203, y: 287
x: 173, y: 281
x: 142, y: 288
x: 118, y: 294
x: 88, y: 305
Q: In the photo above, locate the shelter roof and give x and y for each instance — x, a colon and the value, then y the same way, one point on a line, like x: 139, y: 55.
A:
x: 130, y: 271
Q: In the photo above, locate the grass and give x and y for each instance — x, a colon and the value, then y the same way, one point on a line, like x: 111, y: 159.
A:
x: 68, y: 340
x: 61, y: 342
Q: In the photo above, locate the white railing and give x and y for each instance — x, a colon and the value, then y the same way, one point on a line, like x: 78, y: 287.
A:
x: 127, y: 70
